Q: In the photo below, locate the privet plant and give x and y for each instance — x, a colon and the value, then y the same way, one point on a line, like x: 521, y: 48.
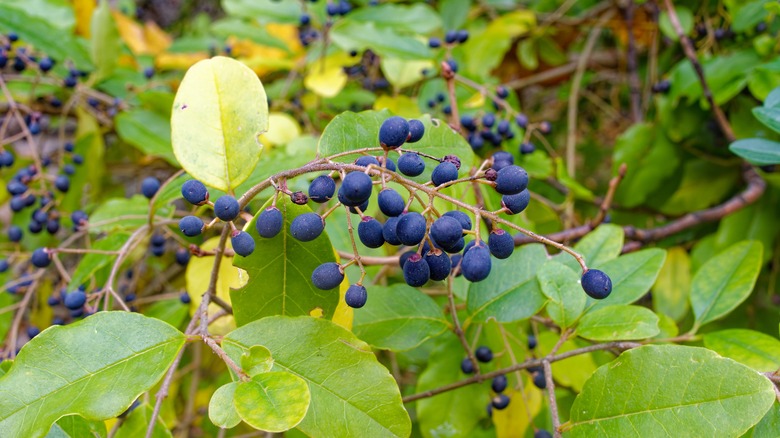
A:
x: 408, y: 228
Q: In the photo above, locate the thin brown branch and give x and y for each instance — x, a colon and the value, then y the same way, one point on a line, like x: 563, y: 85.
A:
x: 550, y: 386
x: 458, y: 329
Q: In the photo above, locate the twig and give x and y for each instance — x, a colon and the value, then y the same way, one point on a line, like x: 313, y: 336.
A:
x: 550, y: 385
x: 458, y: 329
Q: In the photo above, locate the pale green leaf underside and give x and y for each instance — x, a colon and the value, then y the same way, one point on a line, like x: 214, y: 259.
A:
x: 218, y: 113
x: 351, y: 393
x: 274, y: 402
x: 670, y: 391
x: 95, y: 368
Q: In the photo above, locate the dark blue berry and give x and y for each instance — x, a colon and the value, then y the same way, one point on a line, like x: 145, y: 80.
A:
x: 53, y: 300
x: 463, y: 218
x: 596, y: 284
x: 129, y: 298
x: 527, y: 148
x: 511, y: 180
x: 185, y: 298
x: 78, y: 159
x: 488, y: 120
x: 158, y: 251
x: 476, y: 142
x: 148, y: 72
x: 516, y: 203
x: 355, y: 189
x: 15, y: 187
x: 194, y: 192
x: 75, y: 300
x: 411, y: 228
x: 393, y: 132
x: 52, y: 225
x: 503, y: 127
x: 462, y: 36
x: 367, y: 160
x: 157, y: 240
x: 439, y: 264
x: 500, y: 401
x: 307, y: 227
x: 459, y: 245
x: 521, y: 120
x: 182, y: 256
x: 390, y: 164
x: 499, y: 383
x: 40, y: 258
x: 444, y: 173
x: 304, y: 19
x: 68, y: 146
x: 327, y: 276
x: 416, y: 131
x: 446, y: 231
x: 6, y: 159
x: 70, y: 82
x: 476, y: 263
x: 434, y: 42
x: 4, y: 265
x: 483, y: 354
x: 541, y: 433
x: 243, y: 243
x: 46, y: 64
x: 502, y: 92
x: 62, y: 183
x: 356, y: 296
x: 191, y: 226
x: 35, y: 227
x: 411, y: 164
x: 13, y: 37
x: 501, y: 244
x: 416, y: 271
x: 454, y: 67
x: 532, y: 342
x: 321, y: 190
x: 370, y: 232
x: 68, y: 169
x: 389, y: 231
x: 362, y: 207
x: 33, y: 331
x: 539, y: 380
x: 466, y: 366
x: 468, y: 123
x: 451, y: 36
x: 14, y: 233
x: 226, y: 208
x: 78, y: 218
x: 269, y: 222
x: 149, y: 186
x: 391, y: 202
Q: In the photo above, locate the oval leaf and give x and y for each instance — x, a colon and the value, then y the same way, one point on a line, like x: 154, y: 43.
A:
x: 725, y: 281
x: 562, y: 286
x: 273, y: 402
x: 757, y: 151
x: 351, y: 393
x: 93, y: 368
x: 222, y: 412
x: 754, y: 349
x: 683, y: 391
x: 398, y: 318
x: 597, y: 247
x: 218, y: 113
x: 632, y: 276
x: 621, y: 322
x: 257, y: 360
x: 673, y: 286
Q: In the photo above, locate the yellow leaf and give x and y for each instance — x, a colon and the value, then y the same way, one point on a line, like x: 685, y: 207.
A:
x: 513, y: 421
x: 157, y: 41
x: 197, y: 281
x: 282, y: 129
x: 83, y: 10
x: 326, y: 83
x: 477, y: 100
x: 343, y: 315
x: 402, y: 73
x: 178, y: 61
x: 401, y: 105
x: 131, y: 32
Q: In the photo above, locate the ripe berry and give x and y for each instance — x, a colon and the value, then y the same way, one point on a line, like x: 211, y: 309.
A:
x: 191, y: 226
x: 393, y: 132
x: 462, y: 218
x: 182, y: 256
x: 500, y: 401
x: 416, y: 271
x: 532, y: 342
x: 499, y: 383
x: 439, y: 264
x: 194, y: 192
x: 321, y: 190
x: 150, y: 186
x: 355, y: 189
x: 411, y: 164
x: 185, y: 298
x: 444, y: 173
x: 516, y: 203
x: 4, y: 265
x: 488, y: 120
x: 476, y: 263
x: 307, y: 227
x: 15, y: 187
x: 243, y: 243
x: 269, y: 223
x: 541, y: 433
x: 596, y: 284
x: 389, y: 231
x: 459, y: 245
x: 33, y: 331
x: 46, y: 64
x: 357, y: 209
x: 390, y: 164
x: 40, y: 258
x: 411, y: 228
x: 404, y: 257
x: 6, y: 159
x: 527, y: 148
x: 327, y: 276
x: 62, y: 183
x: 77, y: 159
x: 539, y: 380
x: 462, y: 36
x: 148, y: 72
x: 511, y: 180
x: 501, y: 244
x: 35, y: 227
x: 391, y: 202
x: 467, y: 366
x: 356, y: 296
x: 75, y: 300
x: 434, y: 43
x: 451, y: 36
x: 367, y: 160
x: 370, y: 232
x: 521, y: 120
x: 14, y: 233
x: 446, y: 231
x: 226, y: 208
x: 416, y: 131
x: 483, y: 354
x: 78, y: 218
x: 545, y: 127
x: 157, y: 240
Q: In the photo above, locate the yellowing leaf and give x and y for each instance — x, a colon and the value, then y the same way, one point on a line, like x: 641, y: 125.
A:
x: 326, y: 83
x: 83, y: 10
x: 156, y: 39
x: 477, y: 100
x: 131, y: 32
x: 402, y: 73
x: 343, y: 315
x: 513, y: 421
x: 178, y: 61
x: 401, y: 105
x: 282, y: 130
x: 197, y: 280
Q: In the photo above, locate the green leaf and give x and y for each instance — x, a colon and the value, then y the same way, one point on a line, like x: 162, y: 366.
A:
x: 124, y: 214
x: 561, y: 285
x: 76, y: 426
x: 769, y: 425
x: 274, y: 402
x: 686, y: 22
x: 93, y: 368
x: 218, y: 114
x: 398, y: 318
x: 222, y: 411
x: 353, y: 35
x: 92, y: 262
x: 748, y: 16
x: 264, y: 11
x: 773, y: 99
x: 349, y: 131
x: 105, y: 41
x: 485, y: 50
x: 769, y: 117
x: 617, y: 323
x: 670, y: 391
x: 351, y: 393
x: 632, y: 276
x: 673, y: 285
x: 526, y: 51
x: 599, y: 246
x: 725, y: 281
x: 757, y: 151
x: 137, y: 422
x: 452, y: 413
x: 550, y: 51
x: 257, y: 360
x: 754, y: 349
x: 232, y: 27
x: 511, y: 292
x: 6, y: 317
x: 280, y: 273
x: 148, y: 131
x: 417, y: 18
x: 58, y: 43
x: 698, y: 173
x: 171, y: 311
